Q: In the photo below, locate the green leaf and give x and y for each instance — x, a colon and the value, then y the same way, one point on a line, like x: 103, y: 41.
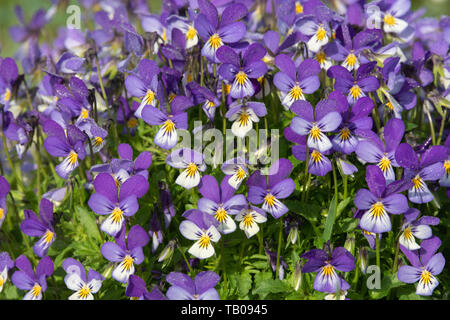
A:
x: 271, y: 286
x: 330, y: 222
x: 388, y: 282
x: 410, y: 126
x: 342, y: 205
x: 349, y: 224
x: 88, y: 223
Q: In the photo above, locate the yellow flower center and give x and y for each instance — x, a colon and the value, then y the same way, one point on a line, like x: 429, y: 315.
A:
x: 2, y: 281
x: 368, y: 233
x: 190, y: 77
x: 215, y: 41
x: 117, y: 215
x: 164, y: 35
x: 407, y: 233
x: 132, y: 123
x: 210, y: 104
x: 377, y: 210
x: 241, y: 78
x: 240, y: 174
x: 36, y: 290
x: 327, y: 270
x: 389, y: 20
x: 298, y: 8
x: 316, y: 156
x: 98, y: 141
x: 84, y: 113
x: 84, y: 292
x: 321, y: 33
x: 73, y: 157
x: 1, y: 213
x: 345, y: 134
x: 320, y: 57
x: 192, y: 169
x: 149, y: 96
x: 171, y: 97
x: 221, y: 215
x: 168, y: 126
x: 7, y: 94
x: 269, y: 199
x: 384, y: 164
x: 48, y: 236
x: 418, y: 182
x: 227, y: 88
x: 447, y: 166
x: 355, y: 91
x: 351, y: 60
x: 191, y: 33
x: 204, y: 241
x: 315, y: 132
x: 248, y: 220
x: 296, y: 92
x: 390, y: 105
x: 127, y: 262
x: 244, y: 118
x: 425, y: 277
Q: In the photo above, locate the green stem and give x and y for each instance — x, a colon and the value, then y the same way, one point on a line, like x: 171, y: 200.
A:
x: 441, y: 130
x: 305, y: 174
x: 377, y: 244
x: 222, y: 258
x: 186, y: 260
x: 345, y: 181
x: 39, y: 161
x: 260, y: 240
x: 335, y: 190
x: 280, y: 238
x: 13, y: 167
x: 430, y: 120
x: 394, y: 265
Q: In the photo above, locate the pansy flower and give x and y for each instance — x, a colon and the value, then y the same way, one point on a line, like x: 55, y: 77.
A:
x: 393, y: 14
x: 236, y: 169
x: 428, y: 168
x: 202, y: 228
x: 204, y: 96
x: 249, y: 219
x: 126, y: 253
x: 426, y: 264
x: 244, y: 115
x: 96, y: 134
x: 8, y: 75
x: 354, y: 87
x: 416, y: 228
x: 34, y: 282
x: 137, y: 290
x: 201, y: 288
x: 139, y: 165
x: 378, y: 201
x: 295, y: 79
x: 5, y: 265
x: 118, y: 206
x: 220, y: 202
x: 144, y: 84
x: 316, y: 124
x: 279, y: 186
x: 216, y: 34
x: 4, y: 190
x: 186, y: 27
x: 240, y: 69
x: 77, y: 281
x: 42, y: 226
x: 167, y: 136
x: 193, y: 163
x: 326, y: 266
x: 77, y: 101
x: 373, y: 150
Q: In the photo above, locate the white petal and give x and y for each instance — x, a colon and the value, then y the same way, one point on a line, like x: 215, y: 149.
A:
x: 422, y: 231
x: 73, y: 281
x: 241, y: 130
x: 409, y: 244
x: 166, y: 140
x: 121, y: 274
x: 95, y: 285
x: 201, y: 253
x: 228, y: 226
x: 251, y: 230
x: 110, y: 227
x: 426, y: 290
x: 213, y: 234
x: 190, y: 230
x: 314, y: 44
x: 188, y: 182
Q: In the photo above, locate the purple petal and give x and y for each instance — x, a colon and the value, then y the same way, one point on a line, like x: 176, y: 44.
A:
x: 181, y: 280
x: 283, y: 189
x: 279, y: 170
x: 104, y: 184
x: 45, y: 267
x: 112, y: 252
x: 364, y: 199
x: 286, y: 65
x: 342, y: 260
x: 396, y: 204
x: 375, y: 180
x: 226, y: 54
x: 125, y: 151
x: 408, y: 274
x: 136, y: 185
x: 393, y: 133
x: 205, y: 280
x: 232, y: 32
x: 433, y: 155
x: 406, y: 157
x: 137, y: 237
x: 436, y: 264
x: 233, y: 12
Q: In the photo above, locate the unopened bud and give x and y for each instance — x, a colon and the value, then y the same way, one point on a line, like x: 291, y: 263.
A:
x: 350, y: 244
x: 363, y: 257
x: 167, y: 253
x: 297, y: 277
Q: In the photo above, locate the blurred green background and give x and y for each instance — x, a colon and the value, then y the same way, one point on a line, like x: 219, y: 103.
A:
x: 8, y: 18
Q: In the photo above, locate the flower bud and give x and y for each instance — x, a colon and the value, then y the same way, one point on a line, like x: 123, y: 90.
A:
x: 297, y: 277
x: 363, y: 257
x: 350, y: 244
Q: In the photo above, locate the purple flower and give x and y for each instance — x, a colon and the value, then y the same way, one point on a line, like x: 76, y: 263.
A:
x: 8, y: 74
x: 167, y: 136
x: 392, y: 11
x: 77, y: 281
x: 155, y: 231
x: 4, y: 190
x: 383, y: 154
x: 206, y: 97
x: 96, y: 134
x: 244, y: 115
x: 31, y: 30
x: 216, y: 34
x: 378, y: 202
x: 42, y: 226
x: 295, y: 79
x: 106, y: 202
x: 354, y: 87
x: 327, y: 279
x: 273, y: 263
x: 425, y: 266
x: 201, y: 288
x: 34, y: 282
x: 239, y: 69
x: 5, y: 265
x: 416, y: 228
x: 279, y: 186
x: 428, y: 168
x: 220, y: 202
x: 237, y: 170
x: 202, y: 228
x: 126, y: 253
x: 76, y: 101
x: 144, y: 84
x: 190, y: 160
x: 316, y: 124
x: 140, y: 165
x: 137, y: 290
x: 249, y: 219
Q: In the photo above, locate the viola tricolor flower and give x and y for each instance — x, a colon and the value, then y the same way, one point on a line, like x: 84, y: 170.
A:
x: 220, y: 202
x: 416, y: 228
x: 27, y: 279
x: 279, y: 186
x: 428, y: 168
x: 126, y: 253
x: 5, y: 265
x: 8, y: 74
x: 244, y: 115
x: 426, y: 264
x: 118, y: 206
x: 327, y: 279
x: 378, y: 202
x: 42, y: 226
x: 394, y: 14
x: 249, y: 219
x: 137, y: 290
x: 202, y: 228
x: 236, y: 169
x: 77, y: 281
x: 4, y: 190
x: 190, y: 160
x: 201, y: 288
